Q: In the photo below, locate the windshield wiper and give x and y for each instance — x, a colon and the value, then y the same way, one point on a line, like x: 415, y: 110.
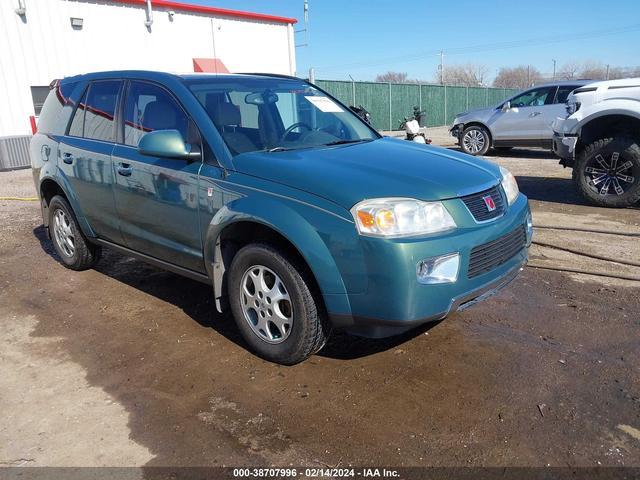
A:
x: 279, y: 149
x: 344, y: 142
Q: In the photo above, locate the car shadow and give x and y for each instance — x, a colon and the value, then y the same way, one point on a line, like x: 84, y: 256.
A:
x: 196, y: 300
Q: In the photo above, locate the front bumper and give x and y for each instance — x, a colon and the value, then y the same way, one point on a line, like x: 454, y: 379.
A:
x: 564, y: 146
x: 395, y: 301
x: 456, y: 131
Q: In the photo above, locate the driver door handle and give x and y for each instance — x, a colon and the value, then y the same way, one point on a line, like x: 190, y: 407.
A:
x: 535, y: 114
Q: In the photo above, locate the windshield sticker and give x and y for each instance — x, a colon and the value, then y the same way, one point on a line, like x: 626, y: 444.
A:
x: 324, y: 104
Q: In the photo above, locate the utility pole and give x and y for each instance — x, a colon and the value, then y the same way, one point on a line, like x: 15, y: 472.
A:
x: 607, y: 71
x: 554, y: 68
x: 528, y: 76
x: 442, y: 67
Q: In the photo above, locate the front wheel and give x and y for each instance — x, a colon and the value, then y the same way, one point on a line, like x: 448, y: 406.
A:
x: 475, y: 140
x: 274, y: 305
x: 607, y: 172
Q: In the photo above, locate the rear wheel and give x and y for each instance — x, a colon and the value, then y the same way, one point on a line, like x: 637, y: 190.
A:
x: 274, y: 307
x: 475, y: 140
x: 69, y: 242
x: 607, y: 172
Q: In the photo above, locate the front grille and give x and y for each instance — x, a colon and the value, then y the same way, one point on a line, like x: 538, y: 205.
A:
x: 490, y: 255
x: 478, y: 207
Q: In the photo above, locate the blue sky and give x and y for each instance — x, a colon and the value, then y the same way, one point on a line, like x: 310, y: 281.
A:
x: 362, y: 38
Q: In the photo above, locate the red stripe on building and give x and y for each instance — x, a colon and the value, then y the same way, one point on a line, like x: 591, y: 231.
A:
x: 222, y: 12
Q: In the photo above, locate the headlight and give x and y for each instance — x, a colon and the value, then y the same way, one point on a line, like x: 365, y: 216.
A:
x: 509, y: 185
x: 572, y: 106
x: 400, y: 217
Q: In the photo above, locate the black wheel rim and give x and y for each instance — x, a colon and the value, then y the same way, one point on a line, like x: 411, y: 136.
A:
x: 609, y: 174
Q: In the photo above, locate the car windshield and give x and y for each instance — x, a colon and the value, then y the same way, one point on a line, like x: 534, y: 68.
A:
x: 273, y: 114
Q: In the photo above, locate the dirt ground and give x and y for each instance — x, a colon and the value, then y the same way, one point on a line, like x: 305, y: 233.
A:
x: 128, y: 365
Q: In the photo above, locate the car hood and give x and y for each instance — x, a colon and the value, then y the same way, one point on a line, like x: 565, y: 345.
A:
x: 476, y: 114
x: 386, y: 167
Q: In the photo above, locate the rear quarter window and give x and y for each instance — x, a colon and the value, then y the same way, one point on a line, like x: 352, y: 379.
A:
x: 59, y: 96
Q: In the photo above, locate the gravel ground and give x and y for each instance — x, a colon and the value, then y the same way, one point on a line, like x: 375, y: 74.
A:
x: 129, y: 365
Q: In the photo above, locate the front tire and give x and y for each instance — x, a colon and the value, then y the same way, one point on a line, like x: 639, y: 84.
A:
x: 75, y: 252
x: 475, y: 140
x: 607, y: 172
x: 274, y: 305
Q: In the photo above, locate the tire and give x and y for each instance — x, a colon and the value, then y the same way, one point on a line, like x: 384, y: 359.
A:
x: 475, y: 140
x: 308, y: 328
x: 75, y: 252
x: 599, y: 174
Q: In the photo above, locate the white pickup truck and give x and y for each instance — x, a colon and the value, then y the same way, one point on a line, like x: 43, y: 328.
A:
x: 600, y: 140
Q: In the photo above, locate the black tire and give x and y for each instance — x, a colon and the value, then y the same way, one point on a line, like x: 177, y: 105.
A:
x: 621, y: 186
x: 309, y: 328
x: 478, y: 134
x: 84, y: 254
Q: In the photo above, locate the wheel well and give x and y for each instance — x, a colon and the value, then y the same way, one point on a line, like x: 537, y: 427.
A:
x: 607, y: 126
x: 49, y: 189
x: 240, y: 234
x: 478, y: 124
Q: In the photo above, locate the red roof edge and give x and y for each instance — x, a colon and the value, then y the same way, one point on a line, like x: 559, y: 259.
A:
x: 188, y: 7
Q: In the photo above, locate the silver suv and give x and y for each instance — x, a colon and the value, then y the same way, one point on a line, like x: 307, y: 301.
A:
x: 523, y: 120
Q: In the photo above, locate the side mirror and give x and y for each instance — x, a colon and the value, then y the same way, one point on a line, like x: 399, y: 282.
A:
x: 167, y: 144
x: 506, y: 106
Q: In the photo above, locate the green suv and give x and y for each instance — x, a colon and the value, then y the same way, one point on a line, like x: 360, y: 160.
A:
x: 301, y: 217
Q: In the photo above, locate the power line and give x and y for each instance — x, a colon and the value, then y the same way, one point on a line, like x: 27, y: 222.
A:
x: 535, y: 41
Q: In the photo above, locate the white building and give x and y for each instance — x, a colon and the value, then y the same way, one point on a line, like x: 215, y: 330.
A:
x: 42, y: 40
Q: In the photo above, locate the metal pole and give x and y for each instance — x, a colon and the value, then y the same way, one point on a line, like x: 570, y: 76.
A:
x: 607, y: 71
x: 467, y: 108
x: 554, y: 68
x: 445, y: 104
x: 390, y: 119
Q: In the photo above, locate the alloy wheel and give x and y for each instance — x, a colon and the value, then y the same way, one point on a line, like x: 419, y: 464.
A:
x: 63, y: 233
x: 473, y: 141
x: 607, y: 176
x: 266, y: 304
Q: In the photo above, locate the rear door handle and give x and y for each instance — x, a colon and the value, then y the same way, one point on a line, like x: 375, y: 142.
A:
x: 535, y: 114
x: 67, y: 158
x: 125, y: 169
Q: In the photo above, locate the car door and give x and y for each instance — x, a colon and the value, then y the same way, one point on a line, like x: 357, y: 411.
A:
x: 555, y: 109
x: 157, y: 198
x: 522, y: 122
x: 85, y: 157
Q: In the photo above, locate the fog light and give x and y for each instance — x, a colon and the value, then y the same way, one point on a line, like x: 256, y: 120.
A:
x: 529, y: 226
x: 443, y: 269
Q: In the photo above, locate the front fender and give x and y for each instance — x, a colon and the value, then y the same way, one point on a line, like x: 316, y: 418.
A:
x: 301, y: 224
x: 574, y: 123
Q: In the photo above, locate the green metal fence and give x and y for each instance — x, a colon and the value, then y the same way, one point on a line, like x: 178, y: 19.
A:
x: 390, y: 103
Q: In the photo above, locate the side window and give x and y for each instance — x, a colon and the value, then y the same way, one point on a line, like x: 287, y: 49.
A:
x: 149, y: 107
x: 534, y: 98
x: 76, y: 129
x: 100, y: 109
x: 57, y: 98
x: 563, y: 93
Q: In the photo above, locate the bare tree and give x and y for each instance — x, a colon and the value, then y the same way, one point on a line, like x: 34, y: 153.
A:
x: 468, y: 75
x: 392, y: 77
x: 593, y: 70
x: 569, y: 71
x: 517, y: 77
